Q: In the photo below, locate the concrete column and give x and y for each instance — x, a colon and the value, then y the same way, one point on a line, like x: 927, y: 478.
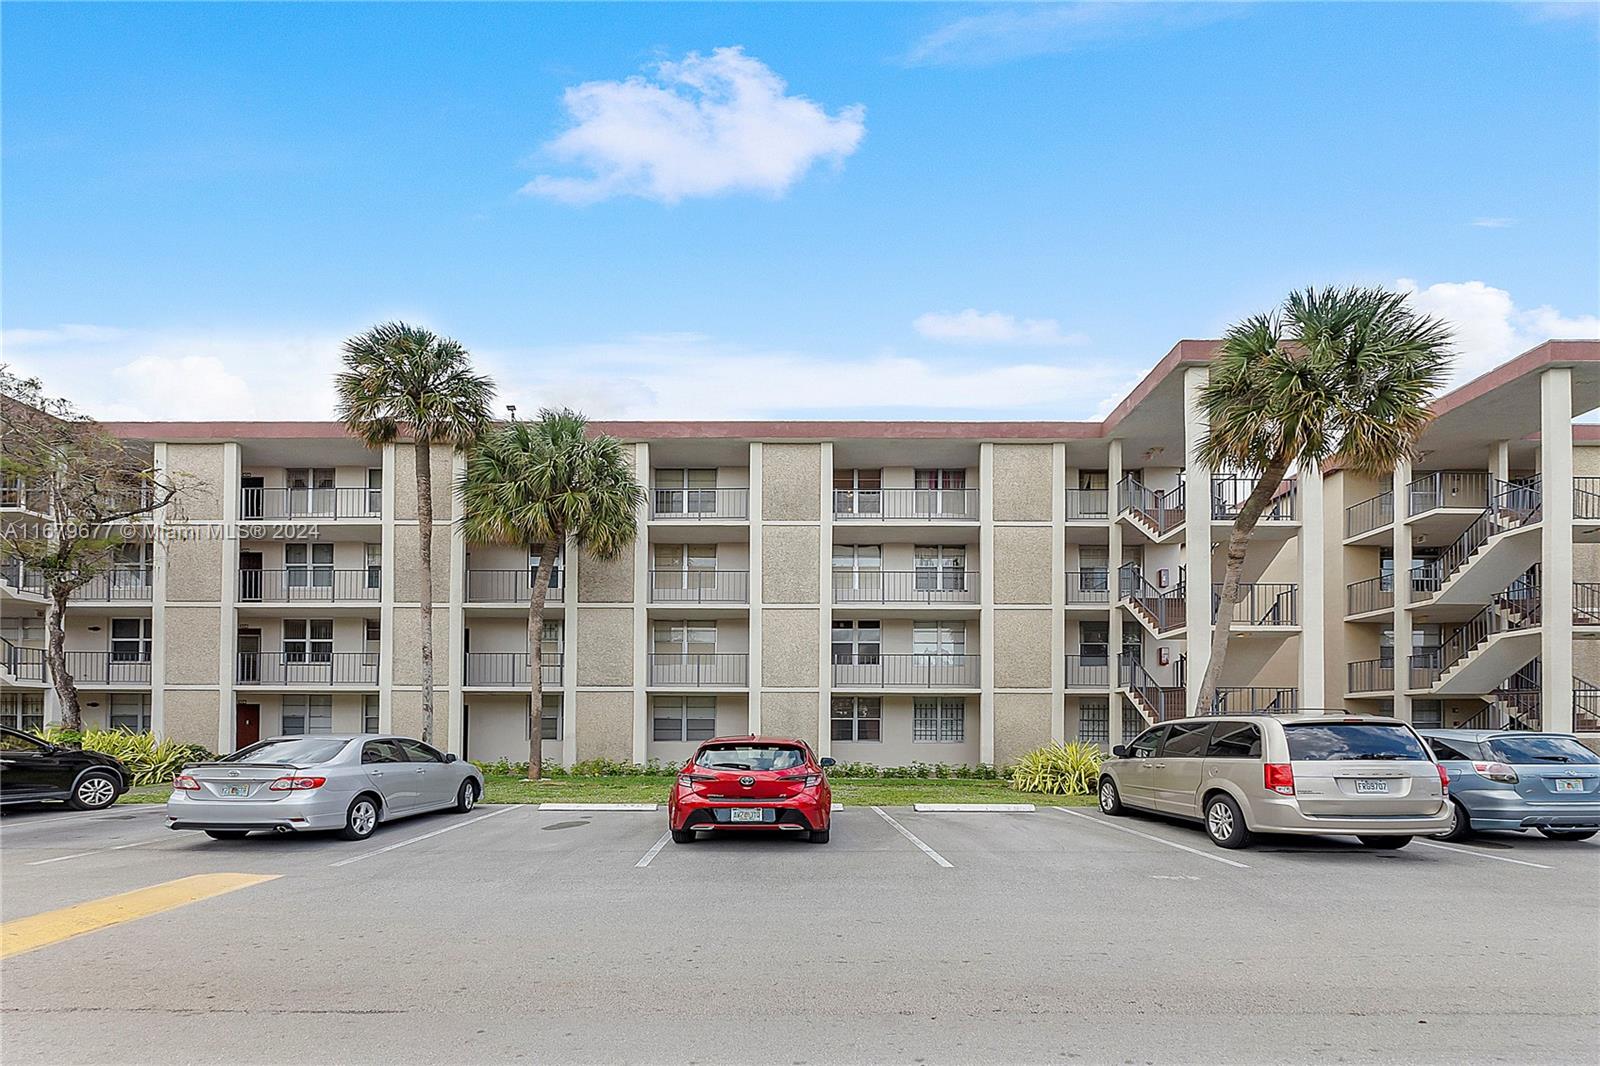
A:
x: 386, y: 601
x: 1500, y: 460
x: 986, y: 603
x: 1402, y: 590
x: 1058, y: 591
x: 1313, y: 588
x: 228, y: 615
x: 455, y: 674
x: 825, y: 607
x: 1114, y: 564
x: 641, y: 615
x: 158, y: 615
x: 1196, y: 535
x: 569, y: 642
x: 757, y: 515
x: 1555, y: 561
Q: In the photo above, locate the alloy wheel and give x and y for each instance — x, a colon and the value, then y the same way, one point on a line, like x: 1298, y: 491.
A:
x: 363, y: 817
x: 1219, y: 820
x: 1108, y: 796
x: 469, y: 796
x: 96, y: 792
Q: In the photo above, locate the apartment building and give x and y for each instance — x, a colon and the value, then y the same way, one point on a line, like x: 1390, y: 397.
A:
x: 895, y: 592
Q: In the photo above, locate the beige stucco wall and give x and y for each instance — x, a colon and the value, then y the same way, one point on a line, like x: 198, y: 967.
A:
x: 1022, y: 482
x: 190, y: 716
x: 605, y: 646
x: 407, y: 564
x: 605, y: 726
x: 407, y: 646
x: 1022, y: 649
x: 790, y: 714
x: 789, y: 651
x: 407, y: 719
x: 606, y: 581
x: 195, y: 569
x: 1021, y: 564
x: 192, y: 635
x: 791, y: 482
x: 790, y: 559
x: 1021, y: 723
x: 197, y: 469
x: 405, y: 481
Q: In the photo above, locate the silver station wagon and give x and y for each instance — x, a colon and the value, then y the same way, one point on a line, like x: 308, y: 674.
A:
x: 1368, y: 777
x: 348, y: 783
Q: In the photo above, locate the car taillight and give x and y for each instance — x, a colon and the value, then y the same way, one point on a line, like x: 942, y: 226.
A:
x: 1495, y: 771
x: 1280, y: 778
x: 811, y: 780
x: 1444, y: 779
x: 685, y: 781
x: 691, y: 780
x: 185, y: 783
x: 295, y: 783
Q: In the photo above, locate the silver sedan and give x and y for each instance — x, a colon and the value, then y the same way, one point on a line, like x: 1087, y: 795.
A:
x: 344, y: 782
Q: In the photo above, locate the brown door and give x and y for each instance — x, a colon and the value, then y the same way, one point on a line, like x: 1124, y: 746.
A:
x: 246, y: 725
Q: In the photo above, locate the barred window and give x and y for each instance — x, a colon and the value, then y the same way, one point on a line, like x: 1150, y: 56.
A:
x: 1133, y: 722
x: 1094, y: 721
x: 1427, y: 714
x: 857, y: 718
x: 939, y: 721
x: 549, y: 718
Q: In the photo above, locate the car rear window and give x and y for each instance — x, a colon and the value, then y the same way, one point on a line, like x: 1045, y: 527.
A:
x: 1531, y: 750
x: 299, y: 751
x: 752, y: 757
x: 1351, y: 740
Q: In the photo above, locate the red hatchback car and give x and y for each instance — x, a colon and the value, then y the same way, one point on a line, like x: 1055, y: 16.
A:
x: 752, y: 783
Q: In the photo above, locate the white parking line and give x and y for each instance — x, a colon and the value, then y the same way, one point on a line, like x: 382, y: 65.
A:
x: 424, y: 836
x: 909, y: 835
x: 1481, y: 855
x: 655, y: 849
x: 97, y: 851
x: 1158, y: 840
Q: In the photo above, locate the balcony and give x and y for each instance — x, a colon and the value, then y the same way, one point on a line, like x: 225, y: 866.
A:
x: 510, y: 669
x: 917, y: 670
x: 19, y: 577
x: 1466, y: 490
x: 314, y: 669
x: 934, y: 505
x: 1088, y: 588
x: 1373, y: 594
x: 699, y: 586
x: 1089, y: 672
x: 1261, y: 604
x: 1586, y: 498
x: 1370, y: 675
x: 1161, y: 613
x: 107, y: 668
x: 1255, y: 699
x: 1369, y: 515
x: 124, y: 583
x: 912, y: 587
x: 698, y: 669
x: 259, y: 504
x: 17, y: 495
x: 1088, y: 505
x: 700, y: 504
x: 20, y: 663
x: 310, y: 585
x: 509, y: 586
x: 1228, y: 496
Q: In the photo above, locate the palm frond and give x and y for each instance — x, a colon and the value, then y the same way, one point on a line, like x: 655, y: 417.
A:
x: 403, y: 380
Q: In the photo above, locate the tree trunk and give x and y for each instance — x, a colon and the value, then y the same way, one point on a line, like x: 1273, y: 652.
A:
x: 56, y: 657
x: 425, y: 553
x: 536, y: 600
x: 1238, y: 541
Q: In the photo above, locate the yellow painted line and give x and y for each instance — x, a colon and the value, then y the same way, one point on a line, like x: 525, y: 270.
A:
x: 52, y: 927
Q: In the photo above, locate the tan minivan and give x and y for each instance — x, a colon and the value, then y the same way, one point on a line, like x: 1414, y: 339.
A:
x: 1369, y: 777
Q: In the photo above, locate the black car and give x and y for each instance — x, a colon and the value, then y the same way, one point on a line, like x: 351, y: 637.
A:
x: 32, y: 770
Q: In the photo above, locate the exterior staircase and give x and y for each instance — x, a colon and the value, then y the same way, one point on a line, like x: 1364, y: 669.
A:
x: 1162, y: 613
x: 1491, y: 646
x: 1154, y: 700
x: 1500, y: 544
x: 1585, y: 706
x: 1157, y: 513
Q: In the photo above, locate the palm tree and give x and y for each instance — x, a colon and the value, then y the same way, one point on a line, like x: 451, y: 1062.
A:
x: 1341, y: 375
x: 401, y: 380
x: 541, y: 485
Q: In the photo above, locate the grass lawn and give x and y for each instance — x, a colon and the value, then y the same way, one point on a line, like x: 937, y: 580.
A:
x: 146, y: 794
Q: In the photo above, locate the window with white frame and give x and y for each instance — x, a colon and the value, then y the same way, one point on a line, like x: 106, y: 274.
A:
x: 310, y: 491
x: 130, y: 711
x: 374, y: 490
x: 371, y: 641
x: 308, y: 565
x: 22, y: 710
x: 941, y: 568
x: 1094, y: 567
x: 1094, y: 642
x: 941, y: 492
x: 555, y: 569
x: 685, y: 638
x: 130, y: 640
x: 132, y: 566
x: 372, y: 556
x: 686, y: 490
x: 939, y: 721
x: 1093, y: 480
x: 549, y: 718
x: 856, y: 718
x: 684, y: 717
x: 857, y: 642
x: 938, y: 640
x: 369, y: 713
x: 308, y: 640
x: 307, y: 714
x: 858, y: 491
x: 858, y: 568
x: 1094, y: 721
x: 684, y: 566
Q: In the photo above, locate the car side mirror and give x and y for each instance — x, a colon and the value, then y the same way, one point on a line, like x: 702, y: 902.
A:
x: 449, y: 757
x: 1120, y: 751
x: 826, y: 762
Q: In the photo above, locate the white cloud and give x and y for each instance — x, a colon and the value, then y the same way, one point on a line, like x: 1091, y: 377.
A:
x: 992, y: 327
x: 1489, y: 327
x: 1024, y: 31
x: 703, y: 126
x: 1494, y: 223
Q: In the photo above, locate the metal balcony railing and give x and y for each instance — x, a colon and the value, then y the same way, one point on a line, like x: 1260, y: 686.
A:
x: 1161, y: 510
x: 1088, y: 587
x: 1168, y: 611
x: 510, y: 669
x: 509, y: 586
x: 1261, y: 604
x: 700, y: 503
x: 1586, y: 603
x: 1228, y: 496
x: 1088, y: 504
x: 21, y: 577
x: 123, y: 583
x: 1511, y: 506
x: 699, y: 586
x: 926, y: 670
x: 1426, y: 577
x: 1088, y: 671
x: 107, y: 668
x: 957, y: 505
x: 1255, y: 699
x: 1585, y: 706
x: 1371, y: 675
x: 698, y: 669
x: 1464, y: 489
x: 1373, y: 594
x: 313, y: 668
x: 312, y: 584
x: 23, y: 664
x: 1586, y: 497
x: 256, y: 504
x: 1157, y: 699
x: 1368, y: 515
x: 905, y: 586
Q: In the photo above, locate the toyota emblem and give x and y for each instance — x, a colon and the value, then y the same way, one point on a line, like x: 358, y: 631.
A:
x: 233, y: 773
x: 747, y: 781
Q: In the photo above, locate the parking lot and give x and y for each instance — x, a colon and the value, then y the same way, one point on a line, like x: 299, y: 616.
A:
x: 1056, y: 935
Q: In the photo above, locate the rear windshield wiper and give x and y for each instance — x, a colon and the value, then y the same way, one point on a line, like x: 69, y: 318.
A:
x: 1553, y: 758
x: 1380, y: 755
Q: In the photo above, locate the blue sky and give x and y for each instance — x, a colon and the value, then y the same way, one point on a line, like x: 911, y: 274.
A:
x: 850, y: 211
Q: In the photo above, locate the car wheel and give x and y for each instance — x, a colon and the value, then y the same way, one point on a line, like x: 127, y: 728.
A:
x: 361, y: 819
x: 227, y: 834
x: 1569, y: 834
x: 1460, y: 823
x: 1110, y: 800
x: 1385, y: 843
x: 683, y: 836
x: 1225, y: 823
x: 94, y: 792
x: 467, y: 797
x: 819, y: 836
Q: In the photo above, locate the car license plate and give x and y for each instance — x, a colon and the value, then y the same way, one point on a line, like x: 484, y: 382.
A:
x: 236, y: 790
x: 1566, y: 785
x: 1380, y: 787
x: 745, y: 814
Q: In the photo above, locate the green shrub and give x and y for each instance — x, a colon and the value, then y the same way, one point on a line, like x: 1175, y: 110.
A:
x: 149, y: 762
x: 1059, y: 770
x: 917, y: 771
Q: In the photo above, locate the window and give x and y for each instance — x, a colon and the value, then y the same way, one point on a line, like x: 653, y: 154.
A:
x: 369, y: 714
x: 1427, y: 714
x: 858, y: 568
x: 310, y: 491
x: 371, y: 641
x: 1235, y: 740
x: 1536, y: 750
x: 132, y: 567
x: 307, y: 714
x: 857, y: 718
x: 1094, y: 643
x: 684, y: 717
x: 682, y: 638
x: 130, y: 640
x: 941, y: 568
x: 858, y: 491
x: 939, y: 721
x: 555, y: 569
x: 1187, y: 740
x: 1132, y: 720
x: 130, y: 711
x: 308, y: 640
x: 1448, y: 749
x: 943, y: 639
x: 417, y: 751
x: 941, y: 492
x: 748, y: 756
x: 1094, y: 721
x: 549, y: 718
x: 381, y: 751
x: 373, y: 556
x: 685, y: 566
x: 1094, y: 568
x: 857, y: 642
x: 1326, y: 743
x: 1093, y: 480
x: 1145, y: 746
x: 374, y: 490
x: 22, y: 710
x: 308, y: 565
x: 681, y: 490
